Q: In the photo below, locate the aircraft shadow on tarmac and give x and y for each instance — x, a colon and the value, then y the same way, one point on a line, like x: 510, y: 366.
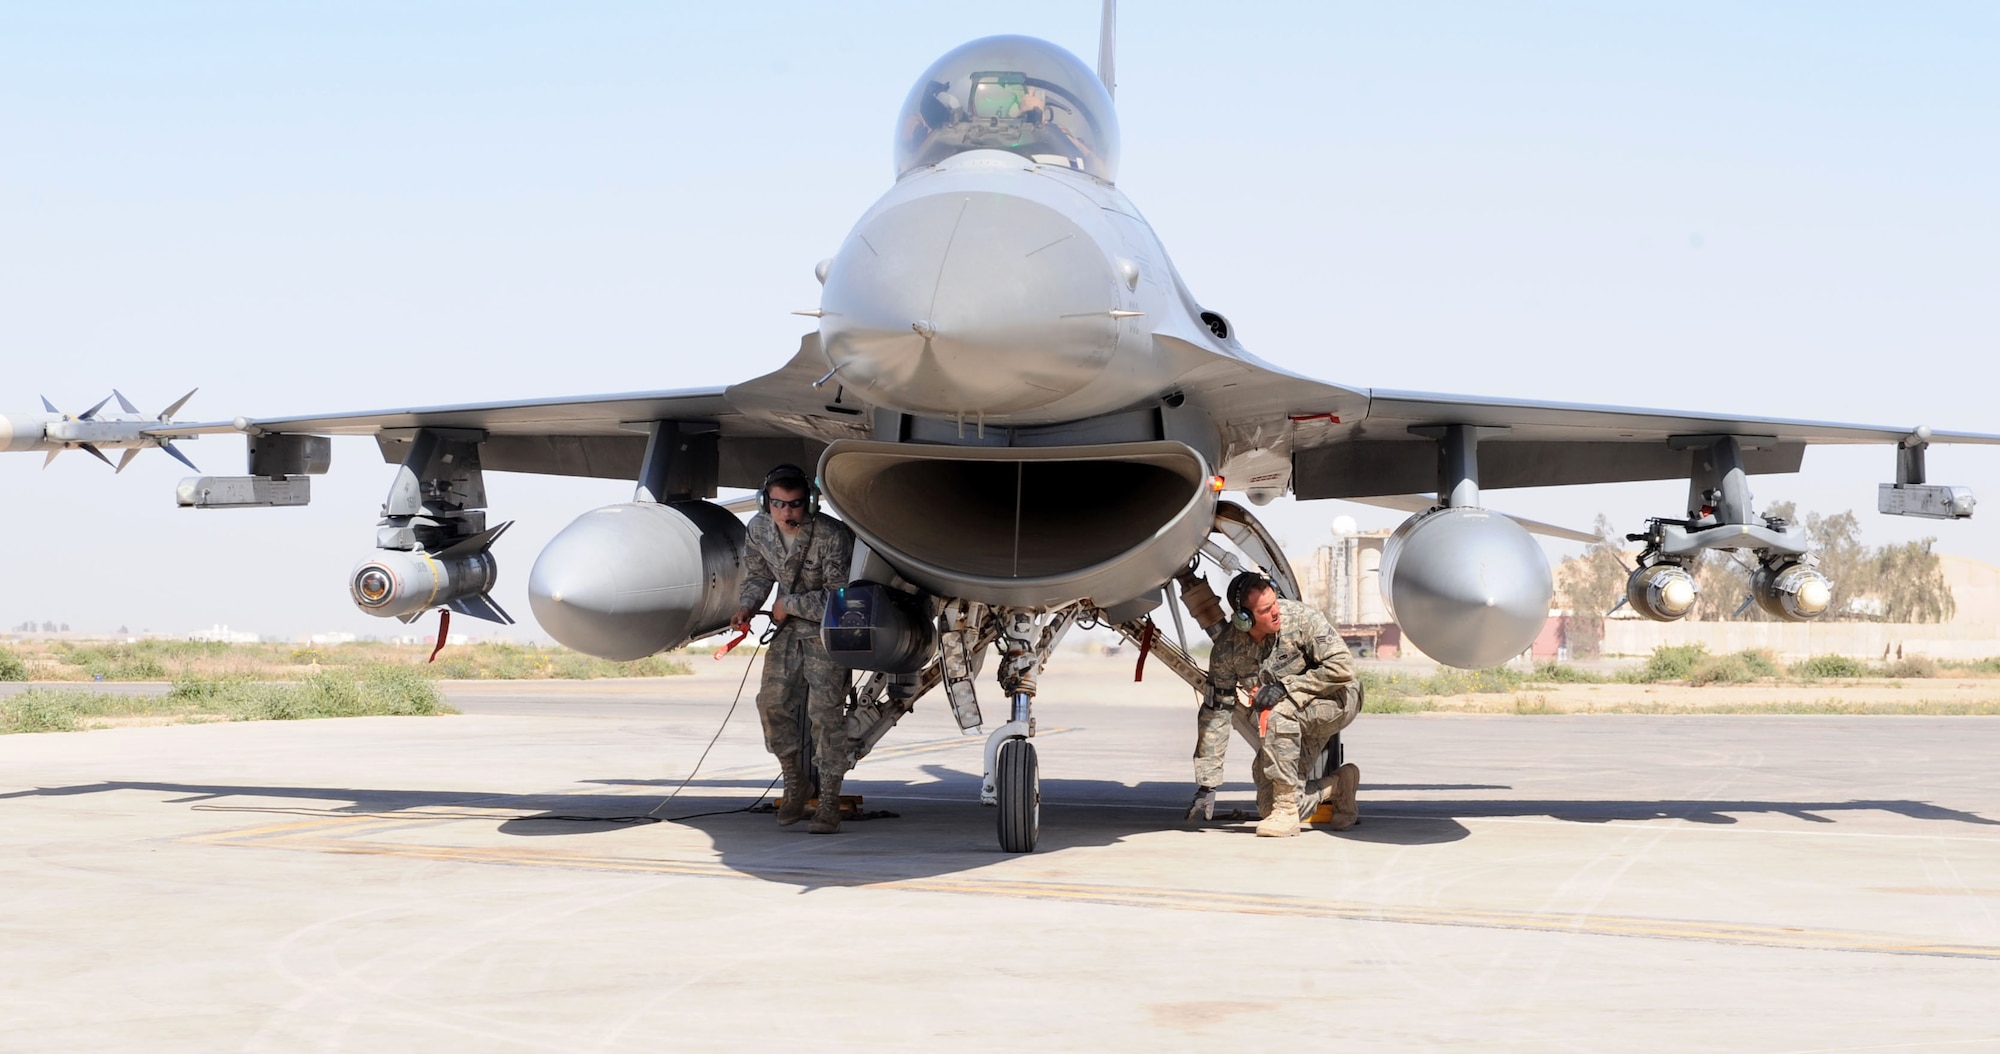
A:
x: 937, y: 828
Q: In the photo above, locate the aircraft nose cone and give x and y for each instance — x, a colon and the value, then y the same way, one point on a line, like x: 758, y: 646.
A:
x: 969, y: 302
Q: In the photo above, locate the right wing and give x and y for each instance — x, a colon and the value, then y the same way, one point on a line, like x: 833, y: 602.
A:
x: 775, y: 418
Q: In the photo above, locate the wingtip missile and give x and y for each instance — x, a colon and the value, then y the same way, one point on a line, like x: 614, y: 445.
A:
x: 168, y: 413
x: 126, y: 429
x: 168, y: 446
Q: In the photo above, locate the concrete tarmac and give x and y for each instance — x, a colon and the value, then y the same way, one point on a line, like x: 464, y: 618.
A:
x: 463, y: 883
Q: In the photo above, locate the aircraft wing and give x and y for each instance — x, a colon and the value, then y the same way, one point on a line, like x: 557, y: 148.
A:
x: 1352, y: 443
x: 774, y: 418
x: 1424, y: 502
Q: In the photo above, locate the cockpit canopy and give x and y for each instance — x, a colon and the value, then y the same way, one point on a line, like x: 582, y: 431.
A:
x: 1010, y: 93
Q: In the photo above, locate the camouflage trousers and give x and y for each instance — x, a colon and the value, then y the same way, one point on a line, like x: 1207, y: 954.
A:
x: 1302, y: 732
x: 798, y: 675
x: 1211, y: 744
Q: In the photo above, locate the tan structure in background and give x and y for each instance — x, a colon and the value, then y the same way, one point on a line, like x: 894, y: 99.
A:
x: 1344, y: 581
x: 1973, y: 632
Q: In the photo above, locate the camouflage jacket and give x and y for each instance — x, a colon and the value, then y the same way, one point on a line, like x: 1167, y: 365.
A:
x: 1306, y: 656
x: 817, y: 564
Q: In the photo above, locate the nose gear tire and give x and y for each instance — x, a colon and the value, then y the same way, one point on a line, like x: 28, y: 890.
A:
x: 1020, y: 786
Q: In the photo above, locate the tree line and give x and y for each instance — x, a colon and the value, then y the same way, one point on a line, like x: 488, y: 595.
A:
x: 1886, y: 583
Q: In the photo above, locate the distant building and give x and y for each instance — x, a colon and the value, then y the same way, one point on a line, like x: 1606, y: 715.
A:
x: 225, y: 635
x: 1344, y: 580
x: 331, y: 638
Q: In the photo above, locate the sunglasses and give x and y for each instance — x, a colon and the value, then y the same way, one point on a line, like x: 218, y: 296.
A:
x: 787, y: 503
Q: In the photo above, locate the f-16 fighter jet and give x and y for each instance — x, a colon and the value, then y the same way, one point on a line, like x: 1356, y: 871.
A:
x: 1030, y: 422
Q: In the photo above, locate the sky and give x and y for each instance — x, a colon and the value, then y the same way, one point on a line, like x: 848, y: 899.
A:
x: 1777, y: 209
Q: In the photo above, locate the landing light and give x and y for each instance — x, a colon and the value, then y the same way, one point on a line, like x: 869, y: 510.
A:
x: 1215, y: 484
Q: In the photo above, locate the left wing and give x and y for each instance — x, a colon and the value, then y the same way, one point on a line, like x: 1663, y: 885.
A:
x: 1329, y: 441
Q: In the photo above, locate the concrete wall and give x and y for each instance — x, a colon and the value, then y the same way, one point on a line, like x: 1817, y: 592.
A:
x: 1973, y: 632
x: 1798, y: 640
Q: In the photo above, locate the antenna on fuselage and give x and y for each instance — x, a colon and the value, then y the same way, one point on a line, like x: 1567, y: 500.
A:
x: 1107, y: 44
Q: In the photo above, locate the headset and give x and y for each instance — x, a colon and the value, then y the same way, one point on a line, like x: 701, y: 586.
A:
x: 1239, y: 592
x: 792, y: 477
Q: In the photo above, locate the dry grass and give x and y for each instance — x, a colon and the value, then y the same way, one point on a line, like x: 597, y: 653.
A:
x: 374, y: 691
x: 1976, y: 696
x: 163, y: 660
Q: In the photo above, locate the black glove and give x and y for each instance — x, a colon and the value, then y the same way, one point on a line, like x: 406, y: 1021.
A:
x: 1268, y: 696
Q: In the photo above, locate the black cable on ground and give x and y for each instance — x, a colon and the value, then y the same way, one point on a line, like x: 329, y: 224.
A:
x: 653, y: 816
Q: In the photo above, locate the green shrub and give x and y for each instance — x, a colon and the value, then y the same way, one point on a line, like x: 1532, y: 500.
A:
x: 382, y: 689
x: 1562, y: 673
x: 1739, y: 668
x: 1915, y: 667
x: 1672, y: 662
x: 1820, y: 667
x: 1450, y: 680
x: 1763, y: 662
x: 128, y: 668
x: 1382, y: 687
x: 38, y: 710
x: 12, y: 666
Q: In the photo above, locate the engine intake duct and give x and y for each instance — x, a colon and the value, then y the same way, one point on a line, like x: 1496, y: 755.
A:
x: 1025, y: 527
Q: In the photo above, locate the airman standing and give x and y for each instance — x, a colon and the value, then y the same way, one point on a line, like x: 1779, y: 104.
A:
x: 803, y: 552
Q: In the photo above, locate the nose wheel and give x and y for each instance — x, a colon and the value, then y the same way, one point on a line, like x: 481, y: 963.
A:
x: 1019, y: 790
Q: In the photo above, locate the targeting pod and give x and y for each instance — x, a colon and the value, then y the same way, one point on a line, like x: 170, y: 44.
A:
x: 1792, y: 591
x: 873, y: 627
x: 1662, y: 592
x: 399, y: 584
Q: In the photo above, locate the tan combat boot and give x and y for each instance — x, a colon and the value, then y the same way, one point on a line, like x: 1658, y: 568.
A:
x: 826, y: 818
x: 792, y: 808
x: 1265, y: 792
x: 1346, y: 813
x: 1284, y: 819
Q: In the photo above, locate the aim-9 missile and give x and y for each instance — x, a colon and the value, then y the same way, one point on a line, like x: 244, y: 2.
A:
x: 94, y: 432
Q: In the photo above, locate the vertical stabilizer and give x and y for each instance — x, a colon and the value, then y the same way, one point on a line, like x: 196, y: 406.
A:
x: 1107, y: 47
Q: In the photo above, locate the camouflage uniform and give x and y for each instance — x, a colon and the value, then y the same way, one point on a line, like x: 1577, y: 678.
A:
x: 1220, y: 712
x: 797, y: 671
x: 1311, y: 662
